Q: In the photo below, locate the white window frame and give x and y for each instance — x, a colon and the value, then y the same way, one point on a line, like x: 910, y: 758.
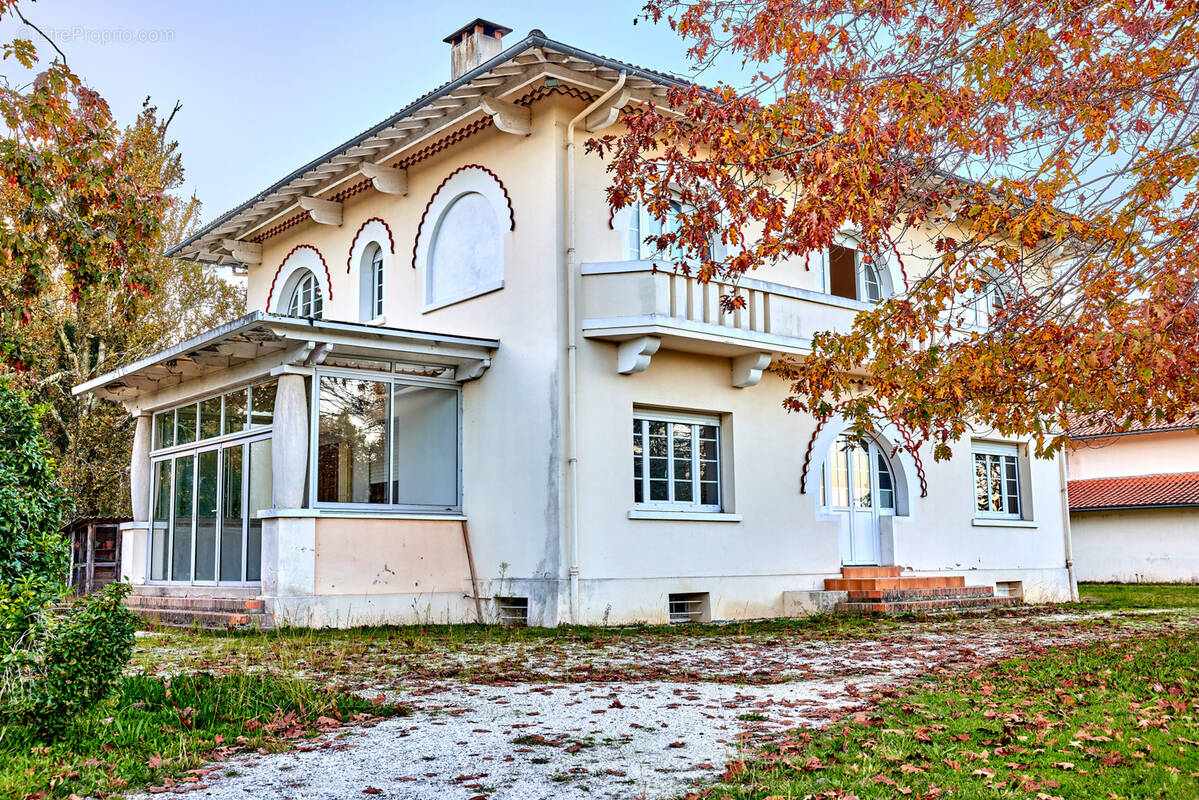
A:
x: 860, y: 270
x: 376, y: 279
x: 643, y: 417
x: 314, y: 441
x: 1003, y: 452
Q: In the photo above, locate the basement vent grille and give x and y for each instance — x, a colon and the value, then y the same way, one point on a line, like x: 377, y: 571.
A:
x: 513, y: 612
x: 1009, y: 589
x: 690, y: 607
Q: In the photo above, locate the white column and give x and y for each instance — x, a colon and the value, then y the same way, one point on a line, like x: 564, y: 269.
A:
x: 288, y: 533
x: 289, y: 443
x: 135, y: 534
x: 139, y: 469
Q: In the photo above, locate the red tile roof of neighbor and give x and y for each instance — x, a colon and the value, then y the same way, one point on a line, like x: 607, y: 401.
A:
x: 1140, y: 491
x: 1099, y: 426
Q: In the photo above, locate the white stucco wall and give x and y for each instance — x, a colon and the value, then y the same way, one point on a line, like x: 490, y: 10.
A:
x: 1150, y: 545
x: 1135, y: 454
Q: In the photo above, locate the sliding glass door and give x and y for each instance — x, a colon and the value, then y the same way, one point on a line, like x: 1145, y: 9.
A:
x: 205, y: 527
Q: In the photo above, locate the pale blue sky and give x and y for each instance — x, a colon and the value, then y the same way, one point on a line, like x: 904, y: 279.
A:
x: 266, y: 87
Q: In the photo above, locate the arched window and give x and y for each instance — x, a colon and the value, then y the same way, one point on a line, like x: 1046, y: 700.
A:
x: 305, y: 299
x: 371, y: 275
x: 857, y: 474
x: 467, y: 254
x: 642, y: 225
x: 981, y: 307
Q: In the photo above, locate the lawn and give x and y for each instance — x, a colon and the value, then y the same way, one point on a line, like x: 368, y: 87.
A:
x: 163, y: 732
x: 1117, y: 719
x: 1139, y: 595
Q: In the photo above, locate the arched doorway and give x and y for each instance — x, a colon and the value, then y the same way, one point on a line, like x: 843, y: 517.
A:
x: 858, y: 486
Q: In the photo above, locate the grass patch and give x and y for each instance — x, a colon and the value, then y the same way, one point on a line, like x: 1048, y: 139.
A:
x: 153, y: 731
x: 1139, y: 595
x: 1114, y: 720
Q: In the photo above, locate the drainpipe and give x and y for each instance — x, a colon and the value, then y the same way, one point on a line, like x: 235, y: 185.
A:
x: 572, y: 376
x: 1063, y: 472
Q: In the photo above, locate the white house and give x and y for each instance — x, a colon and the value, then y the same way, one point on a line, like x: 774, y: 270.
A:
x: 466, y: 388
x: 1134, y: 502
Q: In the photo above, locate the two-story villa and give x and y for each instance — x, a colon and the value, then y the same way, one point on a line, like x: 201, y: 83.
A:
x: 466, y: 389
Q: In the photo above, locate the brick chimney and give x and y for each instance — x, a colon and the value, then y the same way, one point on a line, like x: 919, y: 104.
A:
x: 473, y: 44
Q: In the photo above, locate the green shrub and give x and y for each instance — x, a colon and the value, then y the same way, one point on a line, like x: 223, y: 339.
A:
x: 34, y: 555
x: 71, y: 663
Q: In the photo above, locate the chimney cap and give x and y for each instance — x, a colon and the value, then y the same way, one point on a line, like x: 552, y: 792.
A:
x: 489, y: 29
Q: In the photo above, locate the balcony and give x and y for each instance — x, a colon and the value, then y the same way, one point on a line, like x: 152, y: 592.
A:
x: 644, y: 306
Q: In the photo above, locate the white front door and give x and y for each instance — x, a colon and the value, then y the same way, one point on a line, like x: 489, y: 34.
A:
x: 858, y: 487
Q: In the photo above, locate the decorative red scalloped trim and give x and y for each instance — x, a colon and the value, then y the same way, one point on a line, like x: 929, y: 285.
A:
x: 278, y: 269
x: 437, y: 191
x: 391, y: 245
x: 915, y: 453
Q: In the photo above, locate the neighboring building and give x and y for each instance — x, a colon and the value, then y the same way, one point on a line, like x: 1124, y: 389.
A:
x: 448, y: 324
x: 1134, y: 503
x: 95, y: 552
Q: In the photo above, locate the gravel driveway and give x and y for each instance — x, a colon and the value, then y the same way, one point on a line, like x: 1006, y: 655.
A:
x: 624, y: 737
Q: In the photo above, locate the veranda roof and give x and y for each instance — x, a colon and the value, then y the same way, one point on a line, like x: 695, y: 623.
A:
x: 252, y: 345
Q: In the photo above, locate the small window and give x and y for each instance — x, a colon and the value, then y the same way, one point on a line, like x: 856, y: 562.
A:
x: 982, y: 306
x: 676, y: 462
x: 997, y: 480
x: 306, y: 300
x: 371, y: 270
x: 843, y: 272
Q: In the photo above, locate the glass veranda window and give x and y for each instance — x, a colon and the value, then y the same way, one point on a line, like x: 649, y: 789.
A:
x: 386, y: 442
x: 676, y: 463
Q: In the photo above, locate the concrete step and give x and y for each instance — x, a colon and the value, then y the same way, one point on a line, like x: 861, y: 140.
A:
x: 208, y: 620
x: 937, y: 606
x: 919, y: 593
x: 906, y: 582
x: 870, y: 572
x: 166, y: 603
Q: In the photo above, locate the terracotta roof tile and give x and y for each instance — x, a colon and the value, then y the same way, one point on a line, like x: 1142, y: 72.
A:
x: 1175, y: 489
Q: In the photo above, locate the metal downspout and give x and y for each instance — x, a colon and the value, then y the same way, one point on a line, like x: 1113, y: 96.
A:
x: 572, y: 377
x: 1067, y: 540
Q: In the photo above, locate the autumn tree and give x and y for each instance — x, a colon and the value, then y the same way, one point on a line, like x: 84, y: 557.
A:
x: 76, y: 213
x: 1045, y: 153
x: 70, y: 340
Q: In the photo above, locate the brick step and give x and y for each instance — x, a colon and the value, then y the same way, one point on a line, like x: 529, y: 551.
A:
x: 167, y: 603
x: 907, y: 582
x: 208, y: 620
x: 919, y: 593
x: 941, y: 606
x: 870, y: 572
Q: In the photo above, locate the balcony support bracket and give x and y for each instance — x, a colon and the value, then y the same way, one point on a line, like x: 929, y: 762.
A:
x: 747, y: 369
x: 633, y: 356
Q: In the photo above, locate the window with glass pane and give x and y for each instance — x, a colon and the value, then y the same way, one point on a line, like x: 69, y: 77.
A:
x: 377, y: 282
x: 210, y: 418
x: 207, y: 481
x: 164, y: 429
x: 161, y: 520
x: 306, y: 300
x: 424, y: 446
x: 997, y: 482
x: 262, y: 404
x: 181, y: 522
x: 235, y: 412
x: 185, y: 425
x: 258, y: 493
x: 232, y: 519
x: 352, y: 441
x: 676, y: 463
